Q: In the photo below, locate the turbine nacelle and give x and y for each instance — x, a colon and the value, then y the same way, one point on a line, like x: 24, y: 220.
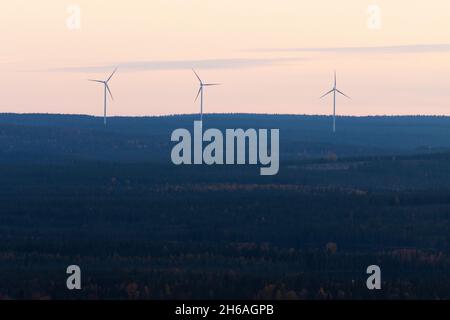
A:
x: 334, y: 89
x: 200, y: 92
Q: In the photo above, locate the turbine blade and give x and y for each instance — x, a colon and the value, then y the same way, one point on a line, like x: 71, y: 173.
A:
x: 107, y: 88
x: 334, y: 78
x: 327, y: 93
x: 112, y: 74
x: 211, y: 84
x: 96, y: 81
x: 197, y: 77
x: 343, y: 94
x: 199, y: 90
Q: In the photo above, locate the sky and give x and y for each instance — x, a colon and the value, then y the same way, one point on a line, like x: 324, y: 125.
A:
x: 270, y: 56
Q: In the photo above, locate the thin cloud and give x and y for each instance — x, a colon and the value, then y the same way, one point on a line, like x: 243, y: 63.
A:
x: 184, y: 64
x: 417, y: 48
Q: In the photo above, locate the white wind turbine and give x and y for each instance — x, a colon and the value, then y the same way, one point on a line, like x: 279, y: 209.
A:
x: 105, y: 83
x: 200, y: 92
x: 334, y: 90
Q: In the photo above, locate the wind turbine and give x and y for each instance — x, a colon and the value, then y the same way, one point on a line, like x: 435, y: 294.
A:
x: 334, y: 90
x: 200, y: 92
x: 105, y: 83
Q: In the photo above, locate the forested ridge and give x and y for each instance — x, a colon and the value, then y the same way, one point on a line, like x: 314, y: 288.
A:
x: 110, y: 201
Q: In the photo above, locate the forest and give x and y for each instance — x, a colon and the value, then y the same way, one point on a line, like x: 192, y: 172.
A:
x: 111, y: 201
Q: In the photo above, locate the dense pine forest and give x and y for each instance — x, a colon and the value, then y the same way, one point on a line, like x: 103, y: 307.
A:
x: 109, y: 200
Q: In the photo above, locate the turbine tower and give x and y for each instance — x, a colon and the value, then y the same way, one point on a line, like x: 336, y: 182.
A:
x: 200, y: 92
x: 334, y: 90
x: 105, y: 83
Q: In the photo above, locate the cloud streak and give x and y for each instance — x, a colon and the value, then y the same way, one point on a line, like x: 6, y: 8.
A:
x: 417, y: 48
x: 184, y: 64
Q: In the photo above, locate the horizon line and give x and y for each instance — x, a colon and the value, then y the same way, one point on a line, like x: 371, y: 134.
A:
x: 223, y: 113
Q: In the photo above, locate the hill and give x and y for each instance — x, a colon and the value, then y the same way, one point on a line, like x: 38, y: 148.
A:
x: 59, y: 138
x: 110, y: 201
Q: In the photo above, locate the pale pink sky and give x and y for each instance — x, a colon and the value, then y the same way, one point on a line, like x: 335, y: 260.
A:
x: 272, y: 56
